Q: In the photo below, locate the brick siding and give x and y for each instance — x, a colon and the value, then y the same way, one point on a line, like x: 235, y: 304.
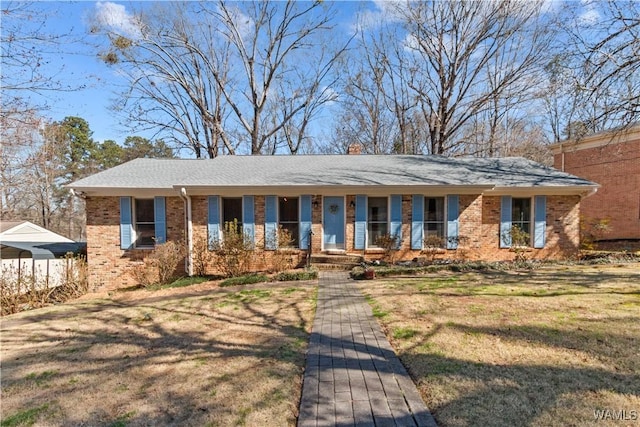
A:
x: 479, y: 224
x: 615, y: 165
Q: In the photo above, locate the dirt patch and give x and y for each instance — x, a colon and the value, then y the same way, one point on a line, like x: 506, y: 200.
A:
x: 197, y: 356
x: 555, y: 346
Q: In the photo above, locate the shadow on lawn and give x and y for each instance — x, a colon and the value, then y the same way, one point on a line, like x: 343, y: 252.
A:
x: 507, y: 395
x: 134, y: 347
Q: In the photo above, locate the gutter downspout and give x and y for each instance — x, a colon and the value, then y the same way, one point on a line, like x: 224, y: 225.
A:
x: 189, y: 225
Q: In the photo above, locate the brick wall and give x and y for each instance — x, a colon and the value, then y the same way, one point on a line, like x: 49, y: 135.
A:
x: 109, y: 266
x: 615, y: 165
x: 479, y: 224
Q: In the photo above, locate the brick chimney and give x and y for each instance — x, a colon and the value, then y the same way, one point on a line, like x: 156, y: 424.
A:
x: 354, y: 149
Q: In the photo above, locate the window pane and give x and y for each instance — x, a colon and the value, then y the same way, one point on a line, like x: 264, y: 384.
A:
x: 521, y: 217
x: 434, y: 229
x: 232, y: 210
x: 145, y: 234
x: 288, y: 209
x: 377, y: 207
x: 521, y: 210
x: 144, y: 210
x: 434, y: 208
x: 433, y: 218
x: 376, y: 230
x: 292, y: 228
x: 144, y: 223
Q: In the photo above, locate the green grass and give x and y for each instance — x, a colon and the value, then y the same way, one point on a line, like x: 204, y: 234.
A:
x: 404, y: 333
x: 28, y: 417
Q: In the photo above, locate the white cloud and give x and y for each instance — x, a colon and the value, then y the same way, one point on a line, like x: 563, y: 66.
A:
x: 116, y: 18
x: 589, y: 16
x: 383, y: 11
x: 241, y: 21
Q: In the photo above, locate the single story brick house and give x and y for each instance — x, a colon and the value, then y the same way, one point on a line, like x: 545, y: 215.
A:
x: 612, y: 159
x: 331, y: 204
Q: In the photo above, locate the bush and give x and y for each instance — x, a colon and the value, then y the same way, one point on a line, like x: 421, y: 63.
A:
x: 160, y: 266
x: 201, y: 256
x: 283, y: 257
x: 234, y: 251
x: 390, y: 243
x: 289, y: 276
x: 432, y: 245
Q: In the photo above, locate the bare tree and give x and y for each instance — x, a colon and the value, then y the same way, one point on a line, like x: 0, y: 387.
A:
x: 219, y: 77
x: 452, y: 46
x: 600, y: 66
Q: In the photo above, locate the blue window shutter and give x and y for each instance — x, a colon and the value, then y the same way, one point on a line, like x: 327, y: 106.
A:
x: 271, y: 222
x: 452, y: 220
x: 305, y: 221
x: 213, y: 222
x: 505, y: 222
x: 417, y: 221
x: 396, y: 218
x: 159, y: 212
x: 360, y: 229
x: 540, y: 230
x: 248, y: 225
x: 126, y: 223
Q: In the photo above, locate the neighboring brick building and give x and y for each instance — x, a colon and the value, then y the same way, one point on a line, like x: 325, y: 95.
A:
x: 611, y: 159
x: 468, y: 205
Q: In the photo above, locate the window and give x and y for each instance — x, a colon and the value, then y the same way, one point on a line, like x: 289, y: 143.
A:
x: 521, y: 218
x: 232, y: 211
x: 377, y: 216
x: 434, y: 218
x: 144, y: 225
x: 288, y: 218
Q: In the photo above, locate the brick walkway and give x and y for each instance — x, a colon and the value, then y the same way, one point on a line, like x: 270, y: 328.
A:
x: 352, y: 376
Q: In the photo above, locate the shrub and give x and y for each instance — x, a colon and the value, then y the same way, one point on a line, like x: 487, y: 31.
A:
x: 390, y: 243
x: 160, y: 266
x: 592, y: 230
x: 432, y: 245
x: 288, y: 276
x: 283, y: 257
x: 201, y: 256
x: 234, y: 250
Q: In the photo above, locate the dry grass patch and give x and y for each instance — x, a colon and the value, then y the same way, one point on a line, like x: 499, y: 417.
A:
x: 545, y: 347
x: 192, y: 356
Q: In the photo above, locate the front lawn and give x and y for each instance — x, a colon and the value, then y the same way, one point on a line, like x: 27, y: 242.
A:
x: 190, y: 356
x: 556, y: 346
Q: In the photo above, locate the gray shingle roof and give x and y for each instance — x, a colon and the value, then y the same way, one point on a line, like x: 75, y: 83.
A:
x: 329, y: 170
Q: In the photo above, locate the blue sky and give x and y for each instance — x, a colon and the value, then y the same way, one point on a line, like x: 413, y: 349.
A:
x: 78, y: 64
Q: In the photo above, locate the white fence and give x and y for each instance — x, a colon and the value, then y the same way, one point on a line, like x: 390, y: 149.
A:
x: 44, y: 273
